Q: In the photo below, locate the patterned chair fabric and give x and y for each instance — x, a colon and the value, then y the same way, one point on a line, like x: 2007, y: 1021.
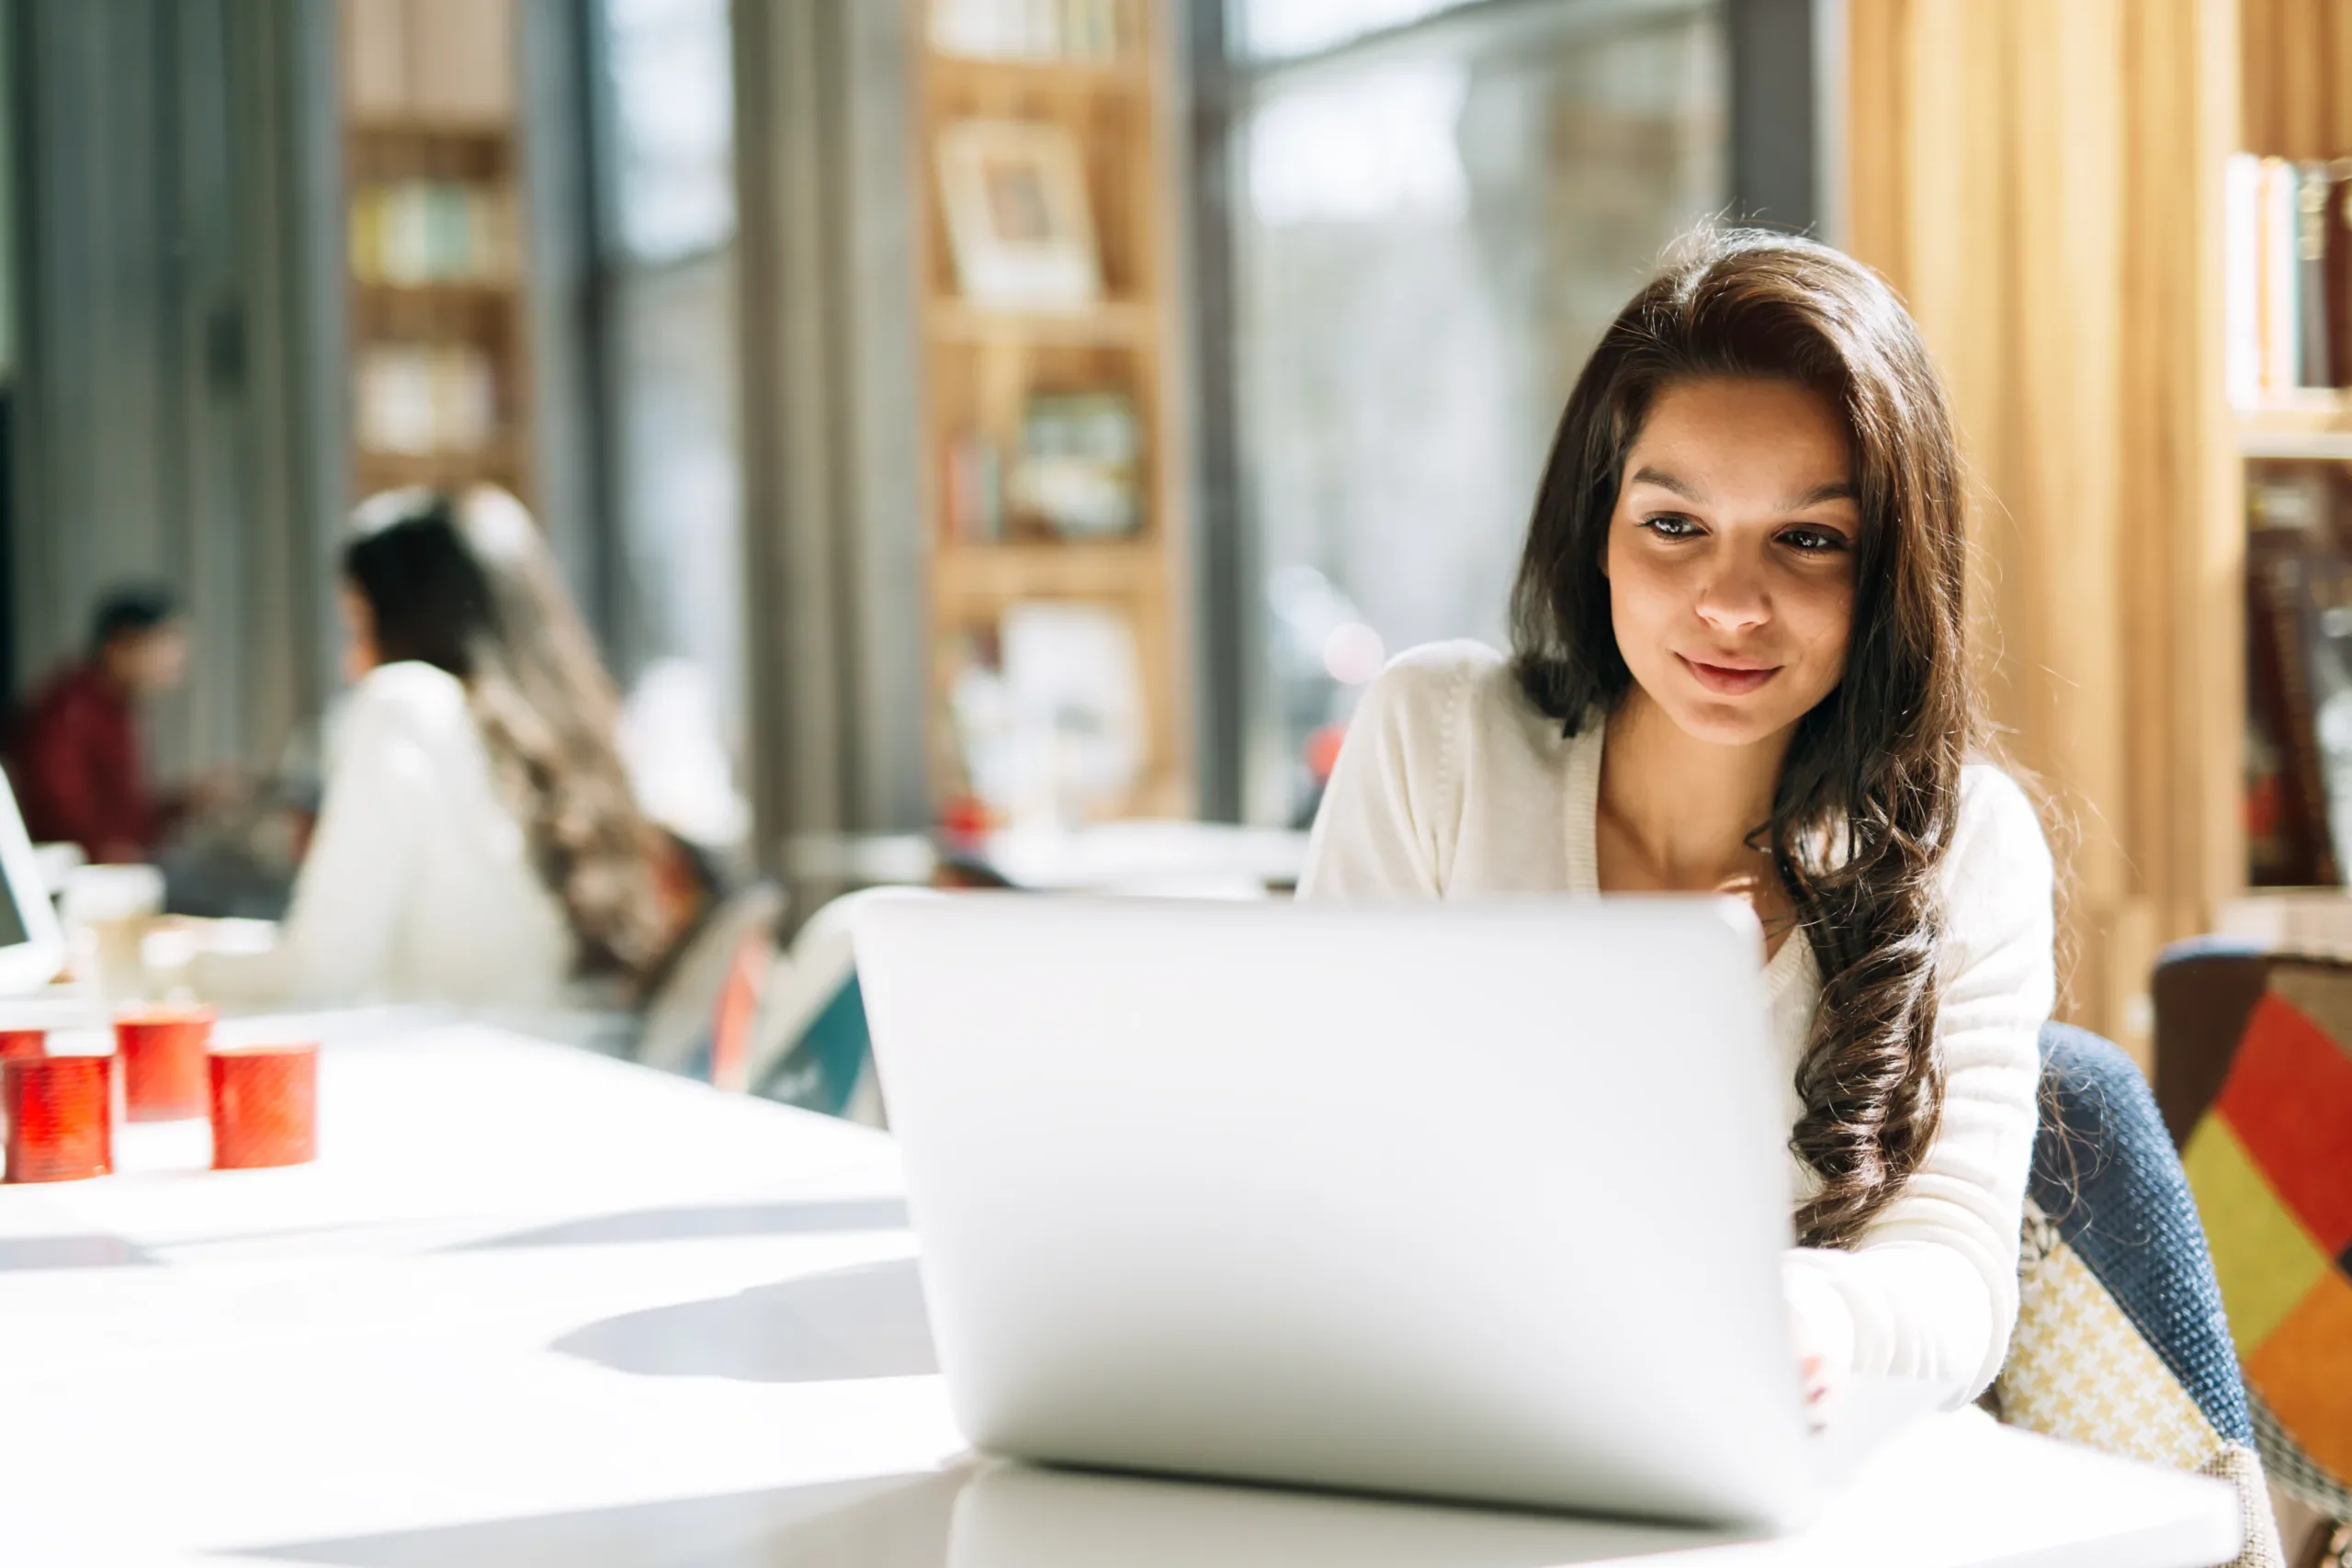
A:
x: 2121, y: 1344
x: 2255, y: 1053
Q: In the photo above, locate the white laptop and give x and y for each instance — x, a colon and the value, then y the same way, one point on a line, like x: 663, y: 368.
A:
x: 31, y: 949
x: 1484, y: 1202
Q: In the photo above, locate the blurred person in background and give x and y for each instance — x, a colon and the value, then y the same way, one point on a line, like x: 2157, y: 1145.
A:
x: 478, y: 843
x: 75, y: 759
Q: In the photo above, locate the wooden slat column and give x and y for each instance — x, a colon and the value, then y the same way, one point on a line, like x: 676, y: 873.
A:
x: 2041, y: 180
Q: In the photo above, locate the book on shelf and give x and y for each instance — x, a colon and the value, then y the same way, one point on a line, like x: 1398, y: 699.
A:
x: 2287, y: 295
x: 2312, y: 190
x: 414, y: 232
x: 1080, y: 472
x: 2298, y: 669
x: 973, y: 490
x: 421, y: 398
x: 1088, y: 30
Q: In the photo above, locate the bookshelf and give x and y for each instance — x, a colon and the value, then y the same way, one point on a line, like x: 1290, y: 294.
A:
x: 2287, y: 313
x: 1055, y: 502
x: 440, y: 382
x: 2069, y: 200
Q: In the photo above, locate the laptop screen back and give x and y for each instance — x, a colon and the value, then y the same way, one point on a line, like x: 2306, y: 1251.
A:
x: 31, y: 951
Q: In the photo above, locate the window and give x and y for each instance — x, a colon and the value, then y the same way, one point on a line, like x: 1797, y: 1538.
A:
x: 1436, y: 209
x: 666, y: 267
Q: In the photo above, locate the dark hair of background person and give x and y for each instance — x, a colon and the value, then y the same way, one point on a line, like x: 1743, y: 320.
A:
x: 466, y: 585
x: 1868, y: 794
x: 131, y: 608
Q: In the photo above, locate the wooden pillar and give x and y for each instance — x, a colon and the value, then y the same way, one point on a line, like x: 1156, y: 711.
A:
x: 2034, y: 175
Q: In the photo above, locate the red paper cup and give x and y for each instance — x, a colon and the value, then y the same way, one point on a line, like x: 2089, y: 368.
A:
x: 60, y: 1116
x: 16, y: 1042
x: 265, y: 1106
x: 162, y: 1061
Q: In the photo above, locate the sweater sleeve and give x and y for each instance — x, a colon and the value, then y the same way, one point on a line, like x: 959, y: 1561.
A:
x: 353, y: 887
x: 1388, y: 823
x: 1930, y: 1289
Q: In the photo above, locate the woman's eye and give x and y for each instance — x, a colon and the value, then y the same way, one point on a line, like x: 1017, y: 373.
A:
x: 1670, y: 527
x: 1814, y: 541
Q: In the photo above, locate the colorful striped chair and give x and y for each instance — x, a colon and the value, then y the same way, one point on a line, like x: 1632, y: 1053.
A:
x: 2254, y: 1073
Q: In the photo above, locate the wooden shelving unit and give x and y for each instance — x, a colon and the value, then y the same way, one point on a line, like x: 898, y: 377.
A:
x: 2295, y: 105
x: 2043, y: 185
x: 441, y: 388
x: 985, y: 366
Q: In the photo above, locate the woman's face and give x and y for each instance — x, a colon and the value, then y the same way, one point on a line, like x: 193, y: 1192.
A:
x: 1731, y: 556
x: 360, y: 651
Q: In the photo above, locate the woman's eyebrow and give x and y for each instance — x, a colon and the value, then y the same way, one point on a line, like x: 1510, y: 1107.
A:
x: 1836, y: 491
x: 1664, y: 480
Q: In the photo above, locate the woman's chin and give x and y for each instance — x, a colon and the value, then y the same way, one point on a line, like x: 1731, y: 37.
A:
x: 1729, y: 721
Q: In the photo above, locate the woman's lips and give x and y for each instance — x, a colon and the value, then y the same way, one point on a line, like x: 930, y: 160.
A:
x: 1727, y: 681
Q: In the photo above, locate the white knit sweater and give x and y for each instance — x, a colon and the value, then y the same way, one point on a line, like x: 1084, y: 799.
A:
x: 419, y: 886
x: 1451, y: 784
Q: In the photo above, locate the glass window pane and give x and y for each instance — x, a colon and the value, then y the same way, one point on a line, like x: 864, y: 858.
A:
x: 674, y: 99
x: 1430, y: 243
x: 669, y: 333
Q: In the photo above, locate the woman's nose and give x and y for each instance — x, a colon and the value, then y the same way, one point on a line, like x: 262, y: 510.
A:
x: 1733, y: 600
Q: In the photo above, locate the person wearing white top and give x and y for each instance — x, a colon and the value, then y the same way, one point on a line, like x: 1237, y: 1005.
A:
x: 1739, y: 666
x: 478, y: 845
x: 418, y: 885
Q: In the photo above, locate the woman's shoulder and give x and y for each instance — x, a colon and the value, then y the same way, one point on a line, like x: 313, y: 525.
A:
x: 409, y: 700
x: 1442, y: 701
x: 1999, y: 847
x: 410, y: 685
x: 1461, y: 678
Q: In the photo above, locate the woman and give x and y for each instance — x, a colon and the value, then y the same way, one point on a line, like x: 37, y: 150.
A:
x: 478, y: 844
x: 1740, y: 665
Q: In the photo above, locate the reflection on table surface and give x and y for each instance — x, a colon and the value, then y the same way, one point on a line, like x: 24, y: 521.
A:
x: 998, y: 1515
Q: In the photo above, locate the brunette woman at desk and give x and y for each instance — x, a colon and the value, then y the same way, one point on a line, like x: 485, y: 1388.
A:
x: 478, y: 844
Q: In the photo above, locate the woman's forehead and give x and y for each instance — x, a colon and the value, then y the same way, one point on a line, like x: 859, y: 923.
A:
x: 1724, y: 438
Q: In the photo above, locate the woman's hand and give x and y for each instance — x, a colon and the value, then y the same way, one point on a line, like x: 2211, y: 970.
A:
x: 1823, y: 1336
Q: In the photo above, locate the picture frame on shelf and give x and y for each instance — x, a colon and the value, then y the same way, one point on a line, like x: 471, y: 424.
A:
x: 1019, y: 225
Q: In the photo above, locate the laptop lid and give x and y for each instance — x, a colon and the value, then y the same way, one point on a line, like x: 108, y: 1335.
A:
x: 31, y: 949
x: 1474, y: 1201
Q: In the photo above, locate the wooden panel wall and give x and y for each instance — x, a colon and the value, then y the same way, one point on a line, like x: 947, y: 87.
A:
x: 2039, y: 178
x: 2298, y: 81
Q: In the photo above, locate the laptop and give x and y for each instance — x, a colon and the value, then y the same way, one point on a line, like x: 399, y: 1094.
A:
x: 1475, y: 1202
x: 31, y: 948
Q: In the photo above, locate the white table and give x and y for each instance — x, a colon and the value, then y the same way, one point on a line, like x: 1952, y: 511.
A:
x: 534, y: 1306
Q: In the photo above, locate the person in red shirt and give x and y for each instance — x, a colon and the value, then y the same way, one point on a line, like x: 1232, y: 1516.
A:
x: 74, y: 761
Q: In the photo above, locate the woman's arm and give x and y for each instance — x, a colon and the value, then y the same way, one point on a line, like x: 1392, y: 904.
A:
x: 1930, y: 1289
x: 1395, y: 788
x: 336, y: 938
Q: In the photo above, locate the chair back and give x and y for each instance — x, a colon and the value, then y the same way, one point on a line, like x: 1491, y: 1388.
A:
x: 2121, y: 1342
x: 697, y: 1019
x: 809, y: 1046
x: 2253, y: 1052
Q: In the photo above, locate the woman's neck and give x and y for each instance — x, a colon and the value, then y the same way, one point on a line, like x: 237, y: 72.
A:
x: 1686, y: 807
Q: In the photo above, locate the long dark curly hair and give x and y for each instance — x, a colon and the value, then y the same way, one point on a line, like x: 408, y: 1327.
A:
x: 1868, y: 794
x: 465, y: 583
